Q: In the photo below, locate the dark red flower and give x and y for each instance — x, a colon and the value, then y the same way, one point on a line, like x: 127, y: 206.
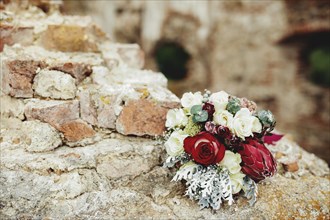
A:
x: 223, y: 131
x: 257, y: 161
x: 204, y: 148
x: 210, y: 110
x: 272, y: 138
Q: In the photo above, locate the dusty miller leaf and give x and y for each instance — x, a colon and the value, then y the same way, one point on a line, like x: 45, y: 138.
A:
x: 250, y: 190
x: 186, y: 172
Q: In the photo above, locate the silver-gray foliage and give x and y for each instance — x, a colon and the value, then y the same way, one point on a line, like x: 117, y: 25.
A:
x: 250, y: 190
x: 209, y: 185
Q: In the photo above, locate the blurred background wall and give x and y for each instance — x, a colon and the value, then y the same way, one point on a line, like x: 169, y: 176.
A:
x: 276, y: 53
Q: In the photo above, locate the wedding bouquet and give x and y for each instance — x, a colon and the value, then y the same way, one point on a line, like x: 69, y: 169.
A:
x: 216, y: 142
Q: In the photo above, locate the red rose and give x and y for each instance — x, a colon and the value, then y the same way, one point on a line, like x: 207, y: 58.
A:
x: 257, y: 161
x: 204, y: 148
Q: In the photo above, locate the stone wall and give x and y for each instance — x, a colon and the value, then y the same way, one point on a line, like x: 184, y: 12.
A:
x: 236, y: 46
x: 79, y: 125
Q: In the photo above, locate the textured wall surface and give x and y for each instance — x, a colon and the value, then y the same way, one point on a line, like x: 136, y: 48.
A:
x: 79, y: 125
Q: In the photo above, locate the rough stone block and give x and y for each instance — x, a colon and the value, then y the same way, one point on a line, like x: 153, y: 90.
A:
x: 136, y: 110
x: 40, y: 137
x: 54, y: 84
x: 68, y: 38
x: 63, y: 115
x: 129, y: 54
x: 18, y: 75
x: 97, y: 106
x: 142, y: 117
x: 76, y: 130
x: 11, y: 107
x: 146, y: 115
x: 125, y: 75
x: 53, y: 112
x: 10, y: 35
x: 77, y: 70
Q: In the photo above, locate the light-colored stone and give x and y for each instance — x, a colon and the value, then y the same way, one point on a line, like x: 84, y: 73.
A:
x: 40, y: 137
x: 130, y: 54
x: 97, y: 106
x: 54, y: 84
x: 52, y: 58
x: 125, y: 75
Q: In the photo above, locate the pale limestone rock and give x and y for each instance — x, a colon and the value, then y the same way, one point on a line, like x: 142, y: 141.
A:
x: 40, y: 137
x: 10, y: 123
x: 125, y: 75
x: 129, y: 54
x: 51, y: 57
x: 11, y: 107
x: 54, y: 84
x: 97, y: 106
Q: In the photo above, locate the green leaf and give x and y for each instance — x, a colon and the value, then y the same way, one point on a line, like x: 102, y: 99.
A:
x: 201, y: 117
x: 266, y: 117
x: 196, y: 109
x: 234, y: 105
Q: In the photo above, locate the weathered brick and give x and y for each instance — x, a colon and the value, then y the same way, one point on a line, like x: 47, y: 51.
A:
x: 18, y: 75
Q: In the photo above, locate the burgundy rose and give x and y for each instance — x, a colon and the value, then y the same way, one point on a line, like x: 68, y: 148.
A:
x: 257, y: 161
x: 204, y: 148
x: 210, y: 110
x: 223, y: 131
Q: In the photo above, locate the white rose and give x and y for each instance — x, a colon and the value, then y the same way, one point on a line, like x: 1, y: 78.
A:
x: 189, y: 99
x: 236, y: 182
x: 219, y: 100
x: 176, y: 117
x: 174, y: 144
x: 256, y: 125
x: 231, y: 161
x: 243, y: 123
x: 224, y: 118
